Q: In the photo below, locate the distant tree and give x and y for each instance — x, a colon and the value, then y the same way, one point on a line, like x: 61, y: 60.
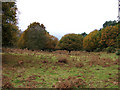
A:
x: 118, y: 41
x: 34, y: 37
x: 90, y: 42
x: 37, y: 38
x: 100, y: 29
x: 9, y: 21
x: 84, y: 34
x: 108, y: 36
x: 71, y: 42
x: 109, y: 23
x: 51, y: 42
x: 43, y: 26
x: 20, y: 33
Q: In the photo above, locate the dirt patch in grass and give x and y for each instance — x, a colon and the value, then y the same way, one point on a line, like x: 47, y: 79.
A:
x: 30, y: 84
x: 79, y: 65
x: 6, y: 82
x: 45, y: 61
x: 70, y: 82
x: 33, y: 77
x: 105, y: 62
x: 62, y: 60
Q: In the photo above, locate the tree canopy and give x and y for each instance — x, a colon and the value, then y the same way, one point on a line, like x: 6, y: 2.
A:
x: 9, y: 27
x: 109, y: 23
x: 91, y: 41
x: 109, y: 35
x: 84, y: 34
x: 71, y: 42
x: 36, y: 37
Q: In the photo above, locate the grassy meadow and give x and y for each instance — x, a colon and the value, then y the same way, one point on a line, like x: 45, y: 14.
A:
x: 59, y: 69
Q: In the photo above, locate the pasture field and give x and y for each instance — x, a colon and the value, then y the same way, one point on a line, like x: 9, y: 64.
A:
x: 59, y: 69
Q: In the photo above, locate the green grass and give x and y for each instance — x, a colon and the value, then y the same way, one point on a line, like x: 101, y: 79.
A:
x: 112, y: 56
x: 95, y: 76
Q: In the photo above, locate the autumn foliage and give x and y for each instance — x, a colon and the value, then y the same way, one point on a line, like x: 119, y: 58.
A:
x: 91, y: 41
x: 51, y: 42
x: 36, y: 37
x: 71, y: 42
x: 109, y: 36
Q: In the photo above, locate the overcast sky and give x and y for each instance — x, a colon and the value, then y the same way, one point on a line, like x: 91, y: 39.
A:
x: 67, y: 16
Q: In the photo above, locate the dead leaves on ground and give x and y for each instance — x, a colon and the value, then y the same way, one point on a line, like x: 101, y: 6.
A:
x: 70, y: 82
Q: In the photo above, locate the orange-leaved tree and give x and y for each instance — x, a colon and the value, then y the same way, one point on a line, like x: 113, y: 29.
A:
x: 51, y: 42
x: 109, y: 36
x: 90, y: 42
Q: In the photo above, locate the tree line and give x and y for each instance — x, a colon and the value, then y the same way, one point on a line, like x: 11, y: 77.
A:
x: 36, y: 37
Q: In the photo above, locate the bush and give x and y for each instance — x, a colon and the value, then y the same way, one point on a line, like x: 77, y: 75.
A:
x: 118, y: 52
x: 103, y: 49
x: 110, y: 50
x: 97, y: 50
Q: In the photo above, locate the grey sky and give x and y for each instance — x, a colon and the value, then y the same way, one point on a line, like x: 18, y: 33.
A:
x: 67, y: 16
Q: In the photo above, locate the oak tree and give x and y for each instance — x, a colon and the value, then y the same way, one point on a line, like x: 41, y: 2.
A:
x: 71, y: 42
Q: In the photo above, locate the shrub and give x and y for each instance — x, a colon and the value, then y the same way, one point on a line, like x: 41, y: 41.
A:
x: 110, y: 50
x: 118, y: 41
x: 103, y: 49
x: 97, y: 50
x: 118, y: 52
